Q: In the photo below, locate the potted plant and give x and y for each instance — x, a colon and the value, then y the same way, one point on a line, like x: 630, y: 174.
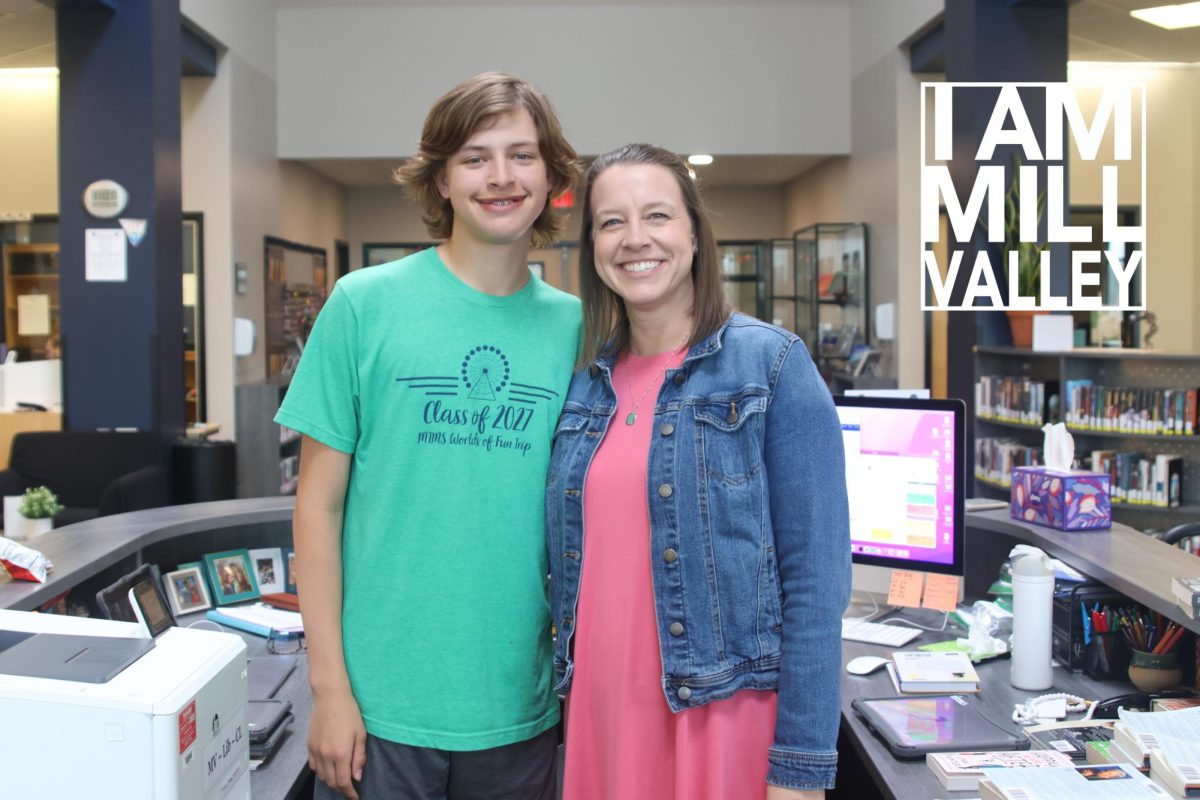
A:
x: 38, y: 507
x: 1029, y: 258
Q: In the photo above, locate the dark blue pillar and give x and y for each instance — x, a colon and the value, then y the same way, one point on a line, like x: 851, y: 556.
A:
x: 119, y: 119
x: 996, y: 41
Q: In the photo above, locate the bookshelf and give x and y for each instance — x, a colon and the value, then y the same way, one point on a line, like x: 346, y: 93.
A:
x: 268, y: 454
x: 1140, y: 372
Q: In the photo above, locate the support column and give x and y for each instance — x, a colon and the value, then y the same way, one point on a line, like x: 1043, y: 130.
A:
x: 999, y: 41
x: 119, y: 119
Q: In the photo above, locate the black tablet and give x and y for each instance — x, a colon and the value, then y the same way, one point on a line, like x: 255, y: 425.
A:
x: 914, y: 726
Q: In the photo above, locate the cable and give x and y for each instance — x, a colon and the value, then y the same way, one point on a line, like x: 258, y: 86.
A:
x: 215, y: 626
x: 1026, y: 713
x: 910, y: 624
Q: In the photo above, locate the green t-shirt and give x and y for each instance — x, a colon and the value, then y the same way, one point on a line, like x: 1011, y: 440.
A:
x: 447, y: 399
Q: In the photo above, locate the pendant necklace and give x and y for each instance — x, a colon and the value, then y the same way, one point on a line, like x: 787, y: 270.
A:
x: 631, y: 418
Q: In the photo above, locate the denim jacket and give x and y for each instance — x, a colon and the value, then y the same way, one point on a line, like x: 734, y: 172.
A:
x: 749, y: 533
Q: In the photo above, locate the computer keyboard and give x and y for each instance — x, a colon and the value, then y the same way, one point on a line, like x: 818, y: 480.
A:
x: 858, y: 630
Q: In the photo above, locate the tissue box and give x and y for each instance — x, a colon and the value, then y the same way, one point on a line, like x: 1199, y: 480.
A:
x: 1070, y: 501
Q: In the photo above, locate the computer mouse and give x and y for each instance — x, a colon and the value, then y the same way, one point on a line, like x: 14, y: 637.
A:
x: 865, y: 665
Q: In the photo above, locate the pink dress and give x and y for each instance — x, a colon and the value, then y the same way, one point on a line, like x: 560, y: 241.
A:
x: 622, y: 741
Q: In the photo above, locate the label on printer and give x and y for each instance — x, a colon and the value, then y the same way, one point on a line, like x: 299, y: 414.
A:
x: 228, y: 750
x: 187, y: 727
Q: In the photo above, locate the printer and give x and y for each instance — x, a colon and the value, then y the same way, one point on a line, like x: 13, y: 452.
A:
x: 171, y: 724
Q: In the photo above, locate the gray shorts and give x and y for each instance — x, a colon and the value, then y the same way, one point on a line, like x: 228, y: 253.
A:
x: 520, y: 771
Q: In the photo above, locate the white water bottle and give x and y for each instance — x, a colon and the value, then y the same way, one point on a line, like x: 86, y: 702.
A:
x: 1033, y: 608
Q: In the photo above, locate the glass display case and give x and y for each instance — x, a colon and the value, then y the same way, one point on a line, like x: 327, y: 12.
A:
x: 831, y: 263
x: 743, y: 275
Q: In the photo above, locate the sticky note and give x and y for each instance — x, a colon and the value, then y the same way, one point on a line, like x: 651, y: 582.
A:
x: 941, y: 592
x: 906, y: 588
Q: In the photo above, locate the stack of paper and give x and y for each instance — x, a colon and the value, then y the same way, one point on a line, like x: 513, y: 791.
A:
x: 1172, y: 742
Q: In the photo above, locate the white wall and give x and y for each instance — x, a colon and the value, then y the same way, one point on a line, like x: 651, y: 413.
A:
x: 707, y: 78
x: 29, y: 143
x: 1172, y: 188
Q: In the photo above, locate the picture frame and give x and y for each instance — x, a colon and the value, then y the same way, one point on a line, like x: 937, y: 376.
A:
x: 232, y: 576
x: 268, y: 569
x: 289, y: 569
x: 186, y: 589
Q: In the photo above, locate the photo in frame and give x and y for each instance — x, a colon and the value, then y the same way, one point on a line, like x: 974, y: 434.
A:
x: 186, y: 589
x: 268, y: 569
x: 289, y: 566
x: 232, y: 576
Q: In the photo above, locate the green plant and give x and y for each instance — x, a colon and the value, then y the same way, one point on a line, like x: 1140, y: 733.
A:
x: 39, y: 503
x: 1029, y: 254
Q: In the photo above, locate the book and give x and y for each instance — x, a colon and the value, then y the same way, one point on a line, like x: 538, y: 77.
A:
x: 1181, y: 779
x: 1080, y: 782
x: 289, y: 601
x: 257, y: 619
x: 1187, y: 595
x: 935, y: 672
x: 1135, y: 744
x: 1071, y: 737
x: 1100, y: 753
x: 1173, y: 703
x: 960, y: 772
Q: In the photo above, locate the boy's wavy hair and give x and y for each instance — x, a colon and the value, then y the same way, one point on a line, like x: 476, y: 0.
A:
x: 475, y: 104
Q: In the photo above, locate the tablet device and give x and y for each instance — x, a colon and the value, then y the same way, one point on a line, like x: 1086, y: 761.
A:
x: 114, y: 599
x: 150, y: 607
x: 914, y: 726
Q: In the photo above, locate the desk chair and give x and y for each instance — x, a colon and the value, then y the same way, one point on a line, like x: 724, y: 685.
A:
x: 1179, y: 535
x: 94, y: 473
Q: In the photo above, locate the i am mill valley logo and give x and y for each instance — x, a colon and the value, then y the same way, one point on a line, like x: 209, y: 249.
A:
x: 481, y: 405
x: 1023, y: 214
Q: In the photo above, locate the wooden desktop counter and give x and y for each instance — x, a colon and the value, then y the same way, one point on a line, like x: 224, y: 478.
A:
x: 94, y: 553
x: 1131, y: 562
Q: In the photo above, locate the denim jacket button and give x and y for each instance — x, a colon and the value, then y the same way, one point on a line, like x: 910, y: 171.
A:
x: 666, y: 429
x: 665, y: 490
x: 676, y: 629
x: 679, y: 378
x: 684, y: 693
x: 669, y: 555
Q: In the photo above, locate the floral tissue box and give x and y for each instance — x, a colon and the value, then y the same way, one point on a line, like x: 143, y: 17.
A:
x: 1070, y: 501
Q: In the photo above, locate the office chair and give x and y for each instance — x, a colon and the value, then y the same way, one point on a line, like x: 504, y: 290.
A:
x: 1177, y: 535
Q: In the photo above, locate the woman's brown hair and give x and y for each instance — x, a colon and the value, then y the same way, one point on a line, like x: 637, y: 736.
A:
x: 605, y: 322
x: 474, y: 104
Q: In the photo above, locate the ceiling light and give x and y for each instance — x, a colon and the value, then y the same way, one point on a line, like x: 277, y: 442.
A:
x: 29, y: 71
x: 1181, y: 15
x: 703, y: 160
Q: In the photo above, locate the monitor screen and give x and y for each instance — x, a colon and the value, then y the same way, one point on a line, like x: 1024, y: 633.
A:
x: 905, y: 478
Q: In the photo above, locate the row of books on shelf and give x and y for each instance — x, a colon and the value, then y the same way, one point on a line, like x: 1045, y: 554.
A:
x: 996, y: 457
x: 1152, y: 754
x: 1016, y: 399
x: 1135, y: 478
x: 1142, y: 480
x: 1129, y: 409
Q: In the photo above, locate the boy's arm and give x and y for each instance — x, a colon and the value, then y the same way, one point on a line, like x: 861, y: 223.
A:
x: 337, y: 739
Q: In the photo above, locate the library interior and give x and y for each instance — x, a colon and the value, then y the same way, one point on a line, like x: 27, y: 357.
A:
x: 979, y: 217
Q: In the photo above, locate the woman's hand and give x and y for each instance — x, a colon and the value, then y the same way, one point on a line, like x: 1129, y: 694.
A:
x: 780, y: 793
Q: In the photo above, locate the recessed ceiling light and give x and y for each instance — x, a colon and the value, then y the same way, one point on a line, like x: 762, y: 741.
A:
x: 1181, y: 15
x: 29, y: 71
x: 703, y: 160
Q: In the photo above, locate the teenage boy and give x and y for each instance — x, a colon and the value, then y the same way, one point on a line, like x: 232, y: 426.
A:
x: 428, y: 395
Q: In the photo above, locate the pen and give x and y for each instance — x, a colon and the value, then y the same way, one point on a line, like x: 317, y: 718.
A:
x: 1087, y: 625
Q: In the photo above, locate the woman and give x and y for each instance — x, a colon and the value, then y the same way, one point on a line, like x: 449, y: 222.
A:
x: 701, y: 455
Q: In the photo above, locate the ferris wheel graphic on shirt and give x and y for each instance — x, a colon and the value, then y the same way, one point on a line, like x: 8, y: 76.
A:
x: 484, y: 374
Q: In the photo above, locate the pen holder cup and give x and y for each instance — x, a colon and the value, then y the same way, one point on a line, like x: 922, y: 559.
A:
x: 1106, y: 656
x: 1153, y: 672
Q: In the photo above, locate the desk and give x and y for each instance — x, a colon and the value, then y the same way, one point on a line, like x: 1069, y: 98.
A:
x: 1130, y: 562
x: 101, y: 550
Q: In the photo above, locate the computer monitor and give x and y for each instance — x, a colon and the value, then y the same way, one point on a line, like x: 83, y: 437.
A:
x: 906, y: 480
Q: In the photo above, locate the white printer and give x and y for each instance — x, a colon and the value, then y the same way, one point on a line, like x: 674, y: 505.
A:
x: 170, y: 725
